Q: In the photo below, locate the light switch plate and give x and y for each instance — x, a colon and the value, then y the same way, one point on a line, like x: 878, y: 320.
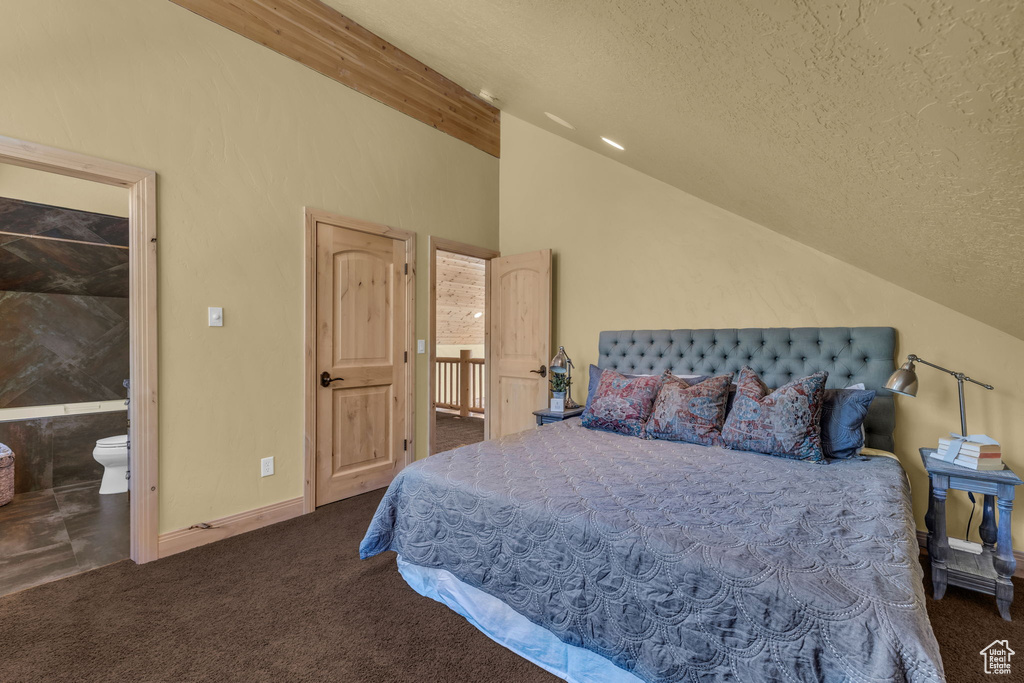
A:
x: 421, y: 346
x: 267, y: 466
x: 216, y: 316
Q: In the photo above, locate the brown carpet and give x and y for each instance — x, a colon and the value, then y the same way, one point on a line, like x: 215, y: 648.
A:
x: 293, y: 602
x: 454, y: 431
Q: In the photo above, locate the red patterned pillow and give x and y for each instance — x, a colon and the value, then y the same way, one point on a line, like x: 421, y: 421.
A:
x: 692, y: 413
x: 622, y: 404
x: 785, y: 422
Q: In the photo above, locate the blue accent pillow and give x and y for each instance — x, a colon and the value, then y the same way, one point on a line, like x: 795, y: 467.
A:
x: 842, y: 418
x: 595, y: 377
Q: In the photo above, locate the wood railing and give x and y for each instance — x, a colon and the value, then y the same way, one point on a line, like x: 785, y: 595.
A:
x: 460, y: 384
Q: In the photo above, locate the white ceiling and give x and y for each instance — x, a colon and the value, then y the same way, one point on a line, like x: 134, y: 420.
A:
x: 887, y: 134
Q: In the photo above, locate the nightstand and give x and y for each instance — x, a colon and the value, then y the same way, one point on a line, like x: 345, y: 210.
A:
x: 548, y: 416
x: 990, y: 571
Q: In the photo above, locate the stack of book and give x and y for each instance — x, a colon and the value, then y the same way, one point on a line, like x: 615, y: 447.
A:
x: 973, y: 454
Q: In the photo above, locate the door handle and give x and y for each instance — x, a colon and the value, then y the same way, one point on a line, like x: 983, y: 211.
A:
x: 326, y: 379
x: 543, y: 372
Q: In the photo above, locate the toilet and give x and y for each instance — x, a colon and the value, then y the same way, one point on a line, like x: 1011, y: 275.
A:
x: 112, y: 453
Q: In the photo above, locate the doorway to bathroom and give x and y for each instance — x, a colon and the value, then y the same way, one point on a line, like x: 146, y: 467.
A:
x: 72, y: 318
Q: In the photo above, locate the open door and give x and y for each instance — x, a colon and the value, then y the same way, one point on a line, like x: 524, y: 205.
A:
x: 520, y: 340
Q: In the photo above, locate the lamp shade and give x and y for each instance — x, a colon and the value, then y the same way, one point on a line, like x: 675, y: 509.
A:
x: 560, y: 363
x: 904, y: 380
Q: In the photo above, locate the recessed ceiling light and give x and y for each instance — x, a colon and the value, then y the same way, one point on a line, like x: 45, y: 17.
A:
x: 560, y: 121
x: 477, y: 315
x: 614, y: 144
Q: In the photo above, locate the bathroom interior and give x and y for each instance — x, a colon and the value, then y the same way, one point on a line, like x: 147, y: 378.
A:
x: 64, y: 347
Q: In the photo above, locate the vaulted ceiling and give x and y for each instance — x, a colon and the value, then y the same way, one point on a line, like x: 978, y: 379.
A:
x: 885, y: 133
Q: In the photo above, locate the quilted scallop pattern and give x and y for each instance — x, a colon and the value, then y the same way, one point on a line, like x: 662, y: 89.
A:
x: 678, y: 562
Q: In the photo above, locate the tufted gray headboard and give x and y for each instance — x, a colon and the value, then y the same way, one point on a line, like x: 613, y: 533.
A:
x: 779, y: 354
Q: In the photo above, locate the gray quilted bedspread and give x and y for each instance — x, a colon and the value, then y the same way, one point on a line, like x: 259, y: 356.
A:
x: 678, y: 562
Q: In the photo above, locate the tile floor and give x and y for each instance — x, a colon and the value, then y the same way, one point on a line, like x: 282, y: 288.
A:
x: 47, y: 535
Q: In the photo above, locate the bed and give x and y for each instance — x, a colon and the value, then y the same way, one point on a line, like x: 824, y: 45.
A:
x: 604, y: 557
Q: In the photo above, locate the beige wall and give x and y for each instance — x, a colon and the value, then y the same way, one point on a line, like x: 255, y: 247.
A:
x: 241, y: 139
x: 634, y: 253
x: 56, y: 190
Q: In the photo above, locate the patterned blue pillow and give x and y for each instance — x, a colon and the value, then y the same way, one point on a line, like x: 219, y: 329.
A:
x: 690, y: 412
x: 595, y: 377
x: 785, y: 422
x: 842, y: 417
x: 622, y: 404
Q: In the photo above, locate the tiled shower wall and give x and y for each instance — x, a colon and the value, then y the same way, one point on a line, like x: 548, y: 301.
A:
x: 63, y: 336
x: 61, y: 348
x: 56, y: 349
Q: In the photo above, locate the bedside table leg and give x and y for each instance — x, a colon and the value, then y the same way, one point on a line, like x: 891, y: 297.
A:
x: 940, y: 544
x: 1004, y: 563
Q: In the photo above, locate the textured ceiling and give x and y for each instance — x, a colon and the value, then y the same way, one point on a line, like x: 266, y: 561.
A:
x: 887, y: 134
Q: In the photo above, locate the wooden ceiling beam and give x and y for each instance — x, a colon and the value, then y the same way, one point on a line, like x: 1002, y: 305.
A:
x: 327, y: 41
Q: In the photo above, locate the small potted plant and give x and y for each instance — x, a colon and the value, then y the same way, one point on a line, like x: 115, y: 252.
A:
x: 559, y: 385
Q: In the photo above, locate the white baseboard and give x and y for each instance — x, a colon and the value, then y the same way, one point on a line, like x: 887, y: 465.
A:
x: 922, y: 540
x: 185, y: 539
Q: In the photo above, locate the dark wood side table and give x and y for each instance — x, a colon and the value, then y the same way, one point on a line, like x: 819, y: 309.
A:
x: 548, y: 416
x: 990, y: 571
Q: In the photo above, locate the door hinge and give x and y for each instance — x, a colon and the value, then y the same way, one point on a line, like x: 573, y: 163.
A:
x: 406, y: 268
x: 405, y: 444
x: 406, y: 356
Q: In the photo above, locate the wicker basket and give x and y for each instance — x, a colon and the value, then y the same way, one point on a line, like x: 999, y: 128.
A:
x: 6, y: 475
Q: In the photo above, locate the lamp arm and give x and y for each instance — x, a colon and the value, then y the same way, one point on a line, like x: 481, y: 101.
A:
x: 568, y: 370
x: 959, y: 375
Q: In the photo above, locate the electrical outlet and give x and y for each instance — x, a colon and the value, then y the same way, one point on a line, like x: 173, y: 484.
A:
x: 267, y: 466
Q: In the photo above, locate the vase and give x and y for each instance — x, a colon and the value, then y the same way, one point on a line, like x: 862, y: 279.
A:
x: 558, y: 401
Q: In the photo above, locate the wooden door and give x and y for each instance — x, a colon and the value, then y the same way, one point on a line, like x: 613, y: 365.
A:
x: 520, y: 339
x: 361, y: 357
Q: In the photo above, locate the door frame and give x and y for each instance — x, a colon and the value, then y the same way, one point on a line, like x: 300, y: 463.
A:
x: 312, y: 217
x: 441, y: 244
x: 142, y: 322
